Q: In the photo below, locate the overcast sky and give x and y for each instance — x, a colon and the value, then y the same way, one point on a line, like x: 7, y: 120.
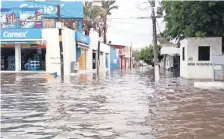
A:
x: 135, y: 31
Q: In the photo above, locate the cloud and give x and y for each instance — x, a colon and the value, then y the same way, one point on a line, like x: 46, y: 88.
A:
x: 127, y: 31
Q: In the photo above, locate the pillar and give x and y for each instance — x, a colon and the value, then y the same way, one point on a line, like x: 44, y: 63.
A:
x: 17, y: 57
x: 80, y: 25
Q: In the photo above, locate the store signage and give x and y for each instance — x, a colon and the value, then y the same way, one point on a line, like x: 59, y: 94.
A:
x: 21, y: 34
x: 201, y: 64
x: 68, y: 9
x: 21, y: 18
x: 82, y: 38
x: 7, y: 34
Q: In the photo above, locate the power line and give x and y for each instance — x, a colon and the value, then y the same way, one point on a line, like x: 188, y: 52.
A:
x: 127, y: 23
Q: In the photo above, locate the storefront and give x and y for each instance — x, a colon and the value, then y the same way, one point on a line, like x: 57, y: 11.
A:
x: 22, y: 49
x: 82, y: 47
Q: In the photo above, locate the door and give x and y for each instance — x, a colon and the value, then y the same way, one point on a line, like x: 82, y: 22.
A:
x: 94, y: 59
x: 82, y: 60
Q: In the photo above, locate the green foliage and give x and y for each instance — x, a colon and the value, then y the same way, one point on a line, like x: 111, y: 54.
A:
x: 146, y: 54
x: 193, y: 18
x: 108, y: 6
x: 92, y: 16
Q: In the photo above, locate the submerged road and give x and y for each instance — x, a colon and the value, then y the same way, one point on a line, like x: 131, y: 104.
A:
x: 117, y: 105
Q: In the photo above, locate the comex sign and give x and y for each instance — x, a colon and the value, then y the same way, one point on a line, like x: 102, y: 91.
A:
x: 7, y: 34
x: 47, y: 9
x: 69, y: 10
x: 11, y: 34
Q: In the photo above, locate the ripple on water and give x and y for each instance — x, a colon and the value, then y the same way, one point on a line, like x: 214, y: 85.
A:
x: 119, y: 105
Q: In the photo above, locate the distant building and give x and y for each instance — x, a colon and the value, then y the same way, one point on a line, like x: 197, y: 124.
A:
x: 124, y: 54
x: 171, y: 57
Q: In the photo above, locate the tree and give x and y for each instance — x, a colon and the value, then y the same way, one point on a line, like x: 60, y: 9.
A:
x: 92, y: 17
x: 193, y: 19
x: 108, y: 6
x: 146, y: 54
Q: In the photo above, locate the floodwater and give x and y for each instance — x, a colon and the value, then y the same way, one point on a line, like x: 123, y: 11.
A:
x: 117, y: 105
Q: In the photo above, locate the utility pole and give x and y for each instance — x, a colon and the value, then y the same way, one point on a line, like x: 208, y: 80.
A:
x: 98, y: 53
x: 130, y: 56
x: 156, y: 64
x: 60, y: 44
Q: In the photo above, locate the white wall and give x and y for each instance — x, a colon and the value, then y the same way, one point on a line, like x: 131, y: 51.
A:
x: 183, y: 64
x: 94, y: 46
x: 69, y: 46
x: 17, y: 57
x: 52, y: 49
x: 192, y: 44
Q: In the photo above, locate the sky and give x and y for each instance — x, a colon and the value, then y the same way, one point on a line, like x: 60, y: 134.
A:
x: 137, y: 32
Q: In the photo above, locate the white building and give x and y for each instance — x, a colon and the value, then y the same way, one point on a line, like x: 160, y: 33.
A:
x: 171, y: 57
x: 21, y: 51
x: 196, y: 57
x: 92, y: 54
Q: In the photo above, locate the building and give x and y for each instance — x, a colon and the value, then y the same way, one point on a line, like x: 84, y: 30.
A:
x: 114, y: 58
x: 128, y: 61
x: 196, y: 57
x: 92, y: 54
x: 125, y: 54
x: 171, y: 57
x: 37, y: 49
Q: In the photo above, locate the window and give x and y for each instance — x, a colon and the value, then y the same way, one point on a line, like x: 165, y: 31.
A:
x: 183, y: 54
x: 204, y: 53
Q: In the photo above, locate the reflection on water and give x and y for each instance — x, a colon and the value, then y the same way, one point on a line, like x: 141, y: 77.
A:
x: 117, y: 105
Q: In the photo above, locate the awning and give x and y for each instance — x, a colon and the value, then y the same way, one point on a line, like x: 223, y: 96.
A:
x: 82, y: 45
x: 170, y: 51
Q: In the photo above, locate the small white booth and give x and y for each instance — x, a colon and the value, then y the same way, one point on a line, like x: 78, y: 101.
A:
x: 196, y: 57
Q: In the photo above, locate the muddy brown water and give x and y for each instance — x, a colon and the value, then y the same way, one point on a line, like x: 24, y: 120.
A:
x: 117, y: 105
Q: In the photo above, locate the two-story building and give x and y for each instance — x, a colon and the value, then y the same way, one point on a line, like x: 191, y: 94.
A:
x: 32, y: 44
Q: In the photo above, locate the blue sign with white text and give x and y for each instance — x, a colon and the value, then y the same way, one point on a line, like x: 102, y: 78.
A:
x: 67, y: 9
x: 21, y: 34
x: 82, y: 38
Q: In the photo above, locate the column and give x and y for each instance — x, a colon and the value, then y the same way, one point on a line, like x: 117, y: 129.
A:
x: 80, y: 25
x: 17, y: 57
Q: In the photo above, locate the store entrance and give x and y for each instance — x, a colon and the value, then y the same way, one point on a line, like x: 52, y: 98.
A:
x: 33, y: 59
x: 94, y: 59
x: 8, y: 58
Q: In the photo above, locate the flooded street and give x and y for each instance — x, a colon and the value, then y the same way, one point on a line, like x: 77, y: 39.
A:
x: 118, y: 105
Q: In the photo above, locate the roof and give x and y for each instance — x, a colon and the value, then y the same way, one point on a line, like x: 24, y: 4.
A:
x: 170, y: 51
x: 117, y: 46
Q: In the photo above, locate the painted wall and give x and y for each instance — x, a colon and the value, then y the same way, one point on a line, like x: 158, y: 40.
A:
x: 191, y: 56
x: 52, y: 52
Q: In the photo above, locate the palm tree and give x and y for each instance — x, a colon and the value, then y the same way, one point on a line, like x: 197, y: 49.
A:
x: 108, y: 6
x: 92, y: 17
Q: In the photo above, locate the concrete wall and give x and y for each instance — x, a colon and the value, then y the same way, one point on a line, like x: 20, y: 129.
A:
x: 191, y: 56
x: 183, y: 63
x: 52, y: 49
